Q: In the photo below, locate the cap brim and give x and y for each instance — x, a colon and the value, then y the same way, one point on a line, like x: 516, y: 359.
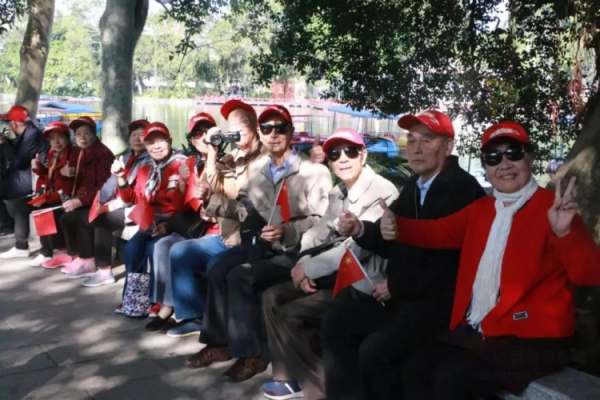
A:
x: 331, y: 141
x: 78, y: 124
x: 201, y: 119
x: 273, y: 112
x: 407, y: 121
x: 231, y: 105
x: 505, y: 136
x: 136, y: 125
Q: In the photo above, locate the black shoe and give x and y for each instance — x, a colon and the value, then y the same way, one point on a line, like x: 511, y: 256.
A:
x: 169, y: 323
x: 155, y: 324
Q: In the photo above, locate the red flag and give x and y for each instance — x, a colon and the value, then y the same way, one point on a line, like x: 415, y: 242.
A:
x: 142, y: 214
x: 94, y: 209
x: 44, y: 222
x: 350, y: 272
x: 37, y: 200
x: 284, y: 203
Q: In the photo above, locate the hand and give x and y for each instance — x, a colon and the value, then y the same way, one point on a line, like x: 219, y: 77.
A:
x: 381, y: 291
x: 117, y: 169
x: 160, y: 229
x: 308, y: 286
x: 272, y: 233
x: 36, y: 163
x: 562, y: 212
x: 389, y: 226
x: 72, y: 205
x: 202, y: 191
x: 184, y: 172
x: 317, y: 155
x: 215, y: 130
x: 298, y: 273
x: 349, y: 224
x: 67, y: 171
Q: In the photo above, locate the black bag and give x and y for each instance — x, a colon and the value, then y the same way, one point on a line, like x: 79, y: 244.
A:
x: 187, y: 224
x: 256, y: 248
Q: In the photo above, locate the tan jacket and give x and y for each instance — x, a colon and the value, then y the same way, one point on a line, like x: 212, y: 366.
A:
x: 229, y: 176
x: 363, y: 201
x: 308, y: 187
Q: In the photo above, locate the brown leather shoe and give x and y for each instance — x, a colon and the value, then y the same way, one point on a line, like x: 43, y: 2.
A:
x: 245, y: 368
x: 207, y: 356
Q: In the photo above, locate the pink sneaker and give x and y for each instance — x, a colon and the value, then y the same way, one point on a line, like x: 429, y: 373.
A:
x: 72, y: 266
x: 59, y: 260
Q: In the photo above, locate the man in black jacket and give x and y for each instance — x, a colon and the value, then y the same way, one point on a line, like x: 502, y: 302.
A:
x: 364, y: 342
x: 16, y: 184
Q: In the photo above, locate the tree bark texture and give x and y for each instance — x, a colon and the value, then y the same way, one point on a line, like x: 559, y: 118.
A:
x: 120, y: 28
x: 34, y: 53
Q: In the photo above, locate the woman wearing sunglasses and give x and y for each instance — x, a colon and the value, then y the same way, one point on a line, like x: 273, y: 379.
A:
x: 513, y: 316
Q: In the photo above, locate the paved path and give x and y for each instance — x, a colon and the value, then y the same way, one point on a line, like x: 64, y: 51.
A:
x: 60, y: 340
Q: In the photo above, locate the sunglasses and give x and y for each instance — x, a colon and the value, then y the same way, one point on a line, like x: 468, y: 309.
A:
x: 494, y: 157
x: 350, y: 151
x: 280, y: 128
x: 198, y: 132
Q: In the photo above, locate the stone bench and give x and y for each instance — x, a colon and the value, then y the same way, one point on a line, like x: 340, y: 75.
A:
x: 568, y: 384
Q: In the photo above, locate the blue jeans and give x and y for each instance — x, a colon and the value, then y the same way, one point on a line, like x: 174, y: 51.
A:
x: 190, y: 260
x: 138, y: 251
x: 162, y: 290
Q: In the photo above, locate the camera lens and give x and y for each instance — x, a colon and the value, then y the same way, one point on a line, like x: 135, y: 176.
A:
x: 216, y: 140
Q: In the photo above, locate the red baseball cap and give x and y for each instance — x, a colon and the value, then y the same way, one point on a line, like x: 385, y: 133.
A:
x: 277, y: 110
x: 56, y: 126
x: 156, y: 127
x: 137, y: 124
x: 343, y: 134
x: 437, y: 122
x: 200, y: 117
x: 83, y: 121
x: 508, y: 129
x: 231, y: 105
x: 17, y: 114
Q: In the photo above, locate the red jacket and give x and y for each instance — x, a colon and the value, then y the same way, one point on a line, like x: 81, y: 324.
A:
x: 94, y: 170
x: 213, y: 228
x: 167, y: 199
x: 57, y: 181
x: 538, y: 268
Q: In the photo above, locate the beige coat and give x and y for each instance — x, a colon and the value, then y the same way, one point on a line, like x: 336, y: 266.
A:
x: 363, y: 201
x: 308, y: 186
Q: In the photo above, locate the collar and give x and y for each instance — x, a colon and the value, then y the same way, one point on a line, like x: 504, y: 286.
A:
x: 287, y: 162
x: 426, y: 185
x: 291, y: 163
x: 362, y: 184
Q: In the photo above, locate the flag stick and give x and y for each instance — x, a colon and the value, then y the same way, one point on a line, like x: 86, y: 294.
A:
x: 363, y: 271
x: 45, y: 210
x: 275, y: 205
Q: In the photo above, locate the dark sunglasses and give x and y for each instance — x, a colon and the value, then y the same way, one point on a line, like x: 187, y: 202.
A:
x: 350, y: 151
x: 198, y: 132
x: 494, y: 157
x: 280, y: 128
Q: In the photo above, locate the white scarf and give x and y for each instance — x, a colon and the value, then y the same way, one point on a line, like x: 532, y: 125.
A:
x: 486, y: 288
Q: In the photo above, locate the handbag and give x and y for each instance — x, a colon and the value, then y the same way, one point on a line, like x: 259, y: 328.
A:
x: 136, y: 298
x: 251, y: 228
x: 187, y: 224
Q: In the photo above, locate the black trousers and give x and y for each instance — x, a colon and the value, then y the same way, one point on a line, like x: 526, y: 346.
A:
x: 293, y: 320
x: 6, y: 221
x: 79, y: 235
x: 365, y: 344
x: 232, y: 315
x: 104, y: 226
x: 56, y: 241
x: 442, y: 371
x: 19, y: 210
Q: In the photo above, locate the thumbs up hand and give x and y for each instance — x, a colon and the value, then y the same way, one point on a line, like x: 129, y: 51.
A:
x: 202, y: 191
x: 184, y: 172
x: 67, y: 171
x: 117, y: 169
x: 317, y: 155
x: 35, y: 163
x: 349, y: 224
x: 389, y: 226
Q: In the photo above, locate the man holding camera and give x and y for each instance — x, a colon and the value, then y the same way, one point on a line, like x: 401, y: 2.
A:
x: 16, y: 184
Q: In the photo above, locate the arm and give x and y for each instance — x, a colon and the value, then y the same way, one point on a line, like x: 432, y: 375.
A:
x: 22, y: 155
x: 101, y: 173
x: 371, y: 238
x: 236, y: 210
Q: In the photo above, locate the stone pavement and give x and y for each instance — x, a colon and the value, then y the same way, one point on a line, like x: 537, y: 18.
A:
x: 60, y: 340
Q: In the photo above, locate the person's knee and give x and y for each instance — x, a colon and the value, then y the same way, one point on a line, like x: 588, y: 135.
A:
x: 270, y: 298
x: 374, y: 352
x: 178, y: 254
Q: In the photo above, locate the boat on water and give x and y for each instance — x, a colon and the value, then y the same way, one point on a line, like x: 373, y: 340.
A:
x: 66, y: 112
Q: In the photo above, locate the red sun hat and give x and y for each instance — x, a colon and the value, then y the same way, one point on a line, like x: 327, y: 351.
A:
x: 275, y: 109
x: 156, y: 127
x: 17, y: 114
x: 437, y: 122
x: 231, y: 105
x: 56, y: 126
x: 83, y: 121
x: 343, y: 134
x: 200, y: 117
x: 137, y: 124
x: 508, y: 129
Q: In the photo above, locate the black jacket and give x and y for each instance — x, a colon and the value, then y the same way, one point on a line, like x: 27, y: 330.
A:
x: 421, y: 275
x: 18, y: 154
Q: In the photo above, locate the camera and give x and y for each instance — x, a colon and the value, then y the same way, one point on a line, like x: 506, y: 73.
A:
x: 220, y: 139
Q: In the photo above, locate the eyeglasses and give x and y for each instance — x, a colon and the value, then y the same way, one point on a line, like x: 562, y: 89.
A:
x: 350, y: 151
x: 198, y: 132
x: 494, y: 157
x: 280, y: 128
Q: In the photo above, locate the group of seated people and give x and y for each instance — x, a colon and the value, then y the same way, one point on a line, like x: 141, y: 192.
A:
x: 464, y: 295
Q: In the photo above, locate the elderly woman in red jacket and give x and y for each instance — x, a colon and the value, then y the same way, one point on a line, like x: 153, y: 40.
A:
x: 513, y: 316
x: 50, y: 181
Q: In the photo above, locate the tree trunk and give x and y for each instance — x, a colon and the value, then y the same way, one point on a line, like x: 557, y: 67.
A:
x: 120, y: 28
x: 34, y: 53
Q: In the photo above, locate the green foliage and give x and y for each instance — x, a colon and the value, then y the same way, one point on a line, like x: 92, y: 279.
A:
x: 10, y: 12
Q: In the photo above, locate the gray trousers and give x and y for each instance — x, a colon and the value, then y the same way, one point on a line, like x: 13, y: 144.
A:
x: 162, y: 290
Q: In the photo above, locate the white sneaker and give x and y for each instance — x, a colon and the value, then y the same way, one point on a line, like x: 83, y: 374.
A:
x: 37, y: 262
x: 15, y: 253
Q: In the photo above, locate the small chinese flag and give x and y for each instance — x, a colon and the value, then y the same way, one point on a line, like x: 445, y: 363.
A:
x: 94, y: 209
x: 44, y: 222
x: 142, y: 214
x: 284, y: 203
x: 37, y: 200
x: 350, y: 272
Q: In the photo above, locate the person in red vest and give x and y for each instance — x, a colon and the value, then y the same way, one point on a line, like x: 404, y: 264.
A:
x: 523, y: 250
x: 49, y: 182
x: 89, y: 166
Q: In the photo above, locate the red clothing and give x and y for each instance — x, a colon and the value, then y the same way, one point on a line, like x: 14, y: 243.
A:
x: 538, y: 268
x: 213, y: 228
x: 55, y: 181
x: 92, y: 170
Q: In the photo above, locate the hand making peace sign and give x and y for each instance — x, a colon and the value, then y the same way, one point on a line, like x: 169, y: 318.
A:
x: 562, y: 212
